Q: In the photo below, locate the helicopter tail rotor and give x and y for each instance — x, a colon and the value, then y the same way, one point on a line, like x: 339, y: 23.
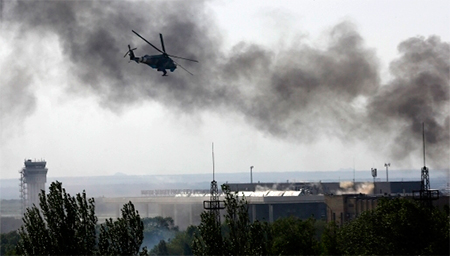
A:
x: 130, y: 53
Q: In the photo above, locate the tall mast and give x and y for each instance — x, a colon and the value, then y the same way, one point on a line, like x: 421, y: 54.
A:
x: 423, y: 139
x: 425, y: 194
x: 214, y: 205
x: 213, y: 159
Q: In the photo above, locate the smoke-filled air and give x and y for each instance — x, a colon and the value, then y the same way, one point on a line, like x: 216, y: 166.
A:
x: 299, y: 92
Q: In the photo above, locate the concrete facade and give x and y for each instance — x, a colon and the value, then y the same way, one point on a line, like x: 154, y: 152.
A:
x: 302, y: 200
x: 34, y: 177
x: 186, y: 211
x: 344, y: 208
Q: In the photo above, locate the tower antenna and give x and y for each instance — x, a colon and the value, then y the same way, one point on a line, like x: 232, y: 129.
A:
x: 425, y: 194
x: 213, y: 160
x: 423, y: 139
x: 425, y: 179
x: 387, y: 167
x: 353, y: 171
x: 214, y: 205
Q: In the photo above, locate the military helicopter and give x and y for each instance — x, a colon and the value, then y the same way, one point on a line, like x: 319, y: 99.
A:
x: 160, y: 62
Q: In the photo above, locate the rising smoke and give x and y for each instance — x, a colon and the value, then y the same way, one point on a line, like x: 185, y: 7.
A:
x: 348, y: 187
x: 301, y: 92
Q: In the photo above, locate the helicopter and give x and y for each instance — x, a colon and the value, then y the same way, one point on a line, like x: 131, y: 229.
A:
x: 160, y: 62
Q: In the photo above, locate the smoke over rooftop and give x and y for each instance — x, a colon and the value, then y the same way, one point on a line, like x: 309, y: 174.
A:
x: 300, y: 93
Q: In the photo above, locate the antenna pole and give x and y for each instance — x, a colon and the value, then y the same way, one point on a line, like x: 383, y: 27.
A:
x: 425, y: 194
x: 387, y: 167
x: 214, y: 205
x: 213, y: 159
x: 353, y: 171
x: 423, y: 138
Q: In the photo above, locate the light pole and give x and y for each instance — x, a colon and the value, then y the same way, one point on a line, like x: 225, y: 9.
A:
x: 251, y: 175
x: 374, y: 173
x: 387, y: 165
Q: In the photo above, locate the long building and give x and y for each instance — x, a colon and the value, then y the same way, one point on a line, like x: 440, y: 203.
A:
x: 315, y: 188
x: 266, y: 201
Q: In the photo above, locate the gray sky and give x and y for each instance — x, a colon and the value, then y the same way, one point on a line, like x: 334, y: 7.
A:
x: 280, y: 85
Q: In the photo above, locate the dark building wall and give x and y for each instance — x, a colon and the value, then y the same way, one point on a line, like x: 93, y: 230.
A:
x: 382, y: 188
x: 396, y: 187
x: 272, y: 212
x: 300, y: 210
x: 442, y: 202
x: 404, y: 186
x: 259, y: 212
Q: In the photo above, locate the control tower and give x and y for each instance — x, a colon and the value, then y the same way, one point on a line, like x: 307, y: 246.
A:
x: 32, y: 180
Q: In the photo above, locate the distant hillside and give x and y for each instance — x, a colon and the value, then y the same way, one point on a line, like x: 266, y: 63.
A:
x: 131, y: 185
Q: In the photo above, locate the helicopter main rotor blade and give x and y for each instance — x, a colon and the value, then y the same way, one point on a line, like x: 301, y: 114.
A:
x: 164, y: 49
x: 147, y: 42
x: 162, y: 42
x: 183, y: 68
x: 182, y: 58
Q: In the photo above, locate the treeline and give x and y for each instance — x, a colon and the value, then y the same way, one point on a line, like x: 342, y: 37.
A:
x: 396, y: 227
x: 66, y: 225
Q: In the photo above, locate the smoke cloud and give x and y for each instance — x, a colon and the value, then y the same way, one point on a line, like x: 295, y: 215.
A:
x: 348, y: 187
x: 299, y: 93
x: 419, y: 93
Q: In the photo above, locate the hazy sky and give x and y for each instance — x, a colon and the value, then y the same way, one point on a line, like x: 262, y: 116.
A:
x: 280, y: 85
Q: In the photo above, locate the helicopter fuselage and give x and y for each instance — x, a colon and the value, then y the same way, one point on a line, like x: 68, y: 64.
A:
x: 159, y: 62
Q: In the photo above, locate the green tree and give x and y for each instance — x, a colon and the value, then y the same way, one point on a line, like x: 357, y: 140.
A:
x: 123, y: 236
x: 162, y: 248
x: 237, y: 224
x: 66, y: 225
x: 62, y: 225
x: 179, y: 245
x: 397, y: 226
x: 208, y: 240
x: 293, y: 236
x: 157, y: 229
x: 8, y: 243
x: 260, y: 238
x: 329, y: 239
x: 237, y: 235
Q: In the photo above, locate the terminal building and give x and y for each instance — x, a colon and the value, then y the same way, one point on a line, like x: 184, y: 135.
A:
x: 337, y: 201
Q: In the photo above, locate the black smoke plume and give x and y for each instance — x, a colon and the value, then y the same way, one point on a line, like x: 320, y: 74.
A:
x: 419, y: 93
x: 299, y: 93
